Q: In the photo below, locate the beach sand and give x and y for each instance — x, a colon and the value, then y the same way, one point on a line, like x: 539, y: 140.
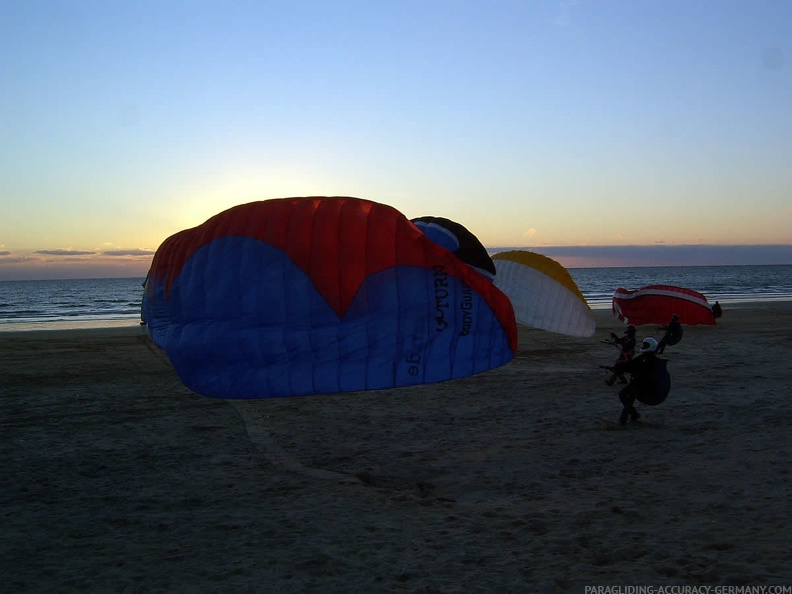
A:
x: 116, y: 478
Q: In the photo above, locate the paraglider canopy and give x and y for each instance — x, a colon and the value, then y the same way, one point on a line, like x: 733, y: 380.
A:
x: 458, y: 240
x: 316, y: 295
x: 543, y: 293
x: 655, y: 304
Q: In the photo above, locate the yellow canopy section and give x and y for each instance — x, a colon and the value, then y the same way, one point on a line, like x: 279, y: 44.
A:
x: 543, y: 293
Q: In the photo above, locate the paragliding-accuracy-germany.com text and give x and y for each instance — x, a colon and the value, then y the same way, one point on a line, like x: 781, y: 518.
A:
x: 688, y: 590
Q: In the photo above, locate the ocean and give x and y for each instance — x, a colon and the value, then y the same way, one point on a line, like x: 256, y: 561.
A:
x: 70, y: 304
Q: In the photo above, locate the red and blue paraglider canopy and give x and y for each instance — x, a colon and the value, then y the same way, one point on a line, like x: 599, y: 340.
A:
x: 300, y: 296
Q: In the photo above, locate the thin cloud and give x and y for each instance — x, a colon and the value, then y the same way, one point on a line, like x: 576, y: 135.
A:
x: 63, y: 253
x: 8, y: 260
x: 665, y: 255
x: 5, y: 253
x: 135, y: 252
x: 530, y: 232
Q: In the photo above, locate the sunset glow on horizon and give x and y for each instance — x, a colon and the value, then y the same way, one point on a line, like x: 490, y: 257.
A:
x: 599, y: 134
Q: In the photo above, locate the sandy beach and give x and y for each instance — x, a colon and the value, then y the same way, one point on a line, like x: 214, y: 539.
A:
x: 116, y: 478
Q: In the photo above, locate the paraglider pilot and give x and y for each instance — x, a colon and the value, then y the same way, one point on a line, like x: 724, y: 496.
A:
x: 673, y: 334
x: 626, y: 346
x: 717, y: 310
x: 649, y: 381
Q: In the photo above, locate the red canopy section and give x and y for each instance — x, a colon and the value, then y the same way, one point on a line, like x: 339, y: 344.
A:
x: 655, y: 304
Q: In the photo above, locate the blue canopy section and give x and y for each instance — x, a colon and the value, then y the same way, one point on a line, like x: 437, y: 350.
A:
x: 243, y: 321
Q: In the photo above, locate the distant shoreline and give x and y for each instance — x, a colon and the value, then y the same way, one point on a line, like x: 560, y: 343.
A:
x: 134, y: 323
x: 55, y: 326
x: 735, y: 302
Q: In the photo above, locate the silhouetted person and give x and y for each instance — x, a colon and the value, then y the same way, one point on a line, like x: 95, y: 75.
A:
x: 717, y: 311
x: 650, y: 381
x: 673, y: 334
x: 626, y: 346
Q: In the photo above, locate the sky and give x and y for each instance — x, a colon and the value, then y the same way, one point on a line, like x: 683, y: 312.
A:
x: 601, y: 133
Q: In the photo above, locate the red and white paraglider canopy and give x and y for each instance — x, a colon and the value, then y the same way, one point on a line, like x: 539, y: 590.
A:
x: 655, y: 304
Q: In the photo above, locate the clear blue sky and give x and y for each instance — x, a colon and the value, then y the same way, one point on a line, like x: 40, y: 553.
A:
x: 561, y: 126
